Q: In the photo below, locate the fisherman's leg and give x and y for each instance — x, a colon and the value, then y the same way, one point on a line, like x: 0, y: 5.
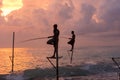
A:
x: 54, y: 52
x: 72, y: 47
x: 56, y: 49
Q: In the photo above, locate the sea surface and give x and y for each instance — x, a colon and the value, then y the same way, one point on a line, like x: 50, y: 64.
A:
x: 86, y: 61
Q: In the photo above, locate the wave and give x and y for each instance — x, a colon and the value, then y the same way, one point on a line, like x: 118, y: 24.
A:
x: 70, y: 70
x: 84, y: 69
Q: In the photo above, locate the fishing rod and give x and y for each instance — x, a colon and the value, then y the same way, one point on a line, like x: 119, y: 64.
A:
x: 39, y: 38
x: 65, y: 37
x: 34, y: 39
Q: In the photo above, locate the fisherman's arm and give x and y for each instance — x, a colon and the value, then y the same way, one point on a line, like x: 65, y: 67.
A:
x: 50, y: 36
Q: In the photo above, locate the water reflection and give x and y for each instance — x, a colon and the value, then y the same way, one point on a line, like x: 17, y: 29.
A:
x: 31, y: 58
x: 25, y: 58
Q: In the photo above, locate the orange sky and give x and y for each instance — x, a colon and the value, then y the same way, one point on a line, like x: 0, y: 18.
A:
x: 10, y: 5
x: 30, y: 19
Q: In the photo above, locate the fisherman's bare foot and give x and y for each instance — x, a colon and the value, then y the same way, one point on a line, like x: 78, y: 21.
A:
x: 52, y: 57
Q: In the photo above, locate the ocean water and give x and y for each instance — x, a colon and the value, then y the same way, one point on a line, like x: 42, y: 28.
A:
x: 86, y: 61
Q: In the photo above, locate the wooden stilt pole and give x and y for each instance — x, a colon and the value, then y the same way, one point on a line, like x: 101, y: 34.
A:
x: 57, y: 66
x: 71, y: 57
x: 13, y: 52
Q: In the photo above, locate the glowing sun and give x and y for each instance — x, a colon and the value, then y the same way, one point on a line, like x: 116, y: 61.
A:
x: 10, y: 5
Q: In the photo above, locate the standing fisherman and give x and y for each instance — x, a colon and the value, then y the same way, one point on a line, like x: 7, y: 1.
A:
x: 72, y: 40
x: 55, y: 39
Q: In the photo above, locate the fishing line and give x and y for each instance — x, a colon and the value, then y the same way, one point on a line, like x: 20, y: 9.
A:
x: 32, y: 39
x: 64, y: 37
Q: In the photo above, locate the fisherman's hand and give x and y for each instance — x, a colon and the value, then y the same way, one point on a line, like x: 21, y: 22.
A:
x: 49, y: 36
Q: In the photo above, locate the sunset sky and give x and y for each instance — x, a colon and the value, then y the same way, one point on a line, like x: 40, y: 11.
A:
x: 95, y: 22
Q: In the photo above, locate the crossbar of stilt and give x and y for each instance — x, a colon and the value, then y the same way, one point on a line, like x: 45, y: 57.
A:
x: 116, y: 62
x: 51, y: 63
x: 55, y: 67
x: 117, y: 66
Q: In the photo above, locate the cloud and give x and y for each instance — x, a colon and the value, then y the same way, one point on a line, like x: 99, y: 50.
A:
x: 106, y: 14
x: 111, y: 15
x: 82, y: 16
x: 0, y: 3
x: 2, y: 21
x: 86, y: 23
x: 77, y: 13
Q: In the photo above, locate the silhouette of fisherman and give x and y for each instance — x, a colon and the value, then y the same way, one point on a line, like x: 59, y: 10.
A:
x: 55, y: 39
x: 72, y: 40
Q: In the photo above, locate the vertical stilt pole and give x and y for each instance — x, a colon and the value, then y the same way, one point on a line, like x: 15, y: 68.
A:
x: 13, y: 51
x: 118, y: 76
x: 71, y: 57
x: 57, y: 66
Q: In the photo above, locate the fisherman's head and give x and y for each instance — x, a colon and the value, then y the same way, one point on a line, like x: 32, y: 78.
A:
x: 55, y: 26
x: 72, y: 32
